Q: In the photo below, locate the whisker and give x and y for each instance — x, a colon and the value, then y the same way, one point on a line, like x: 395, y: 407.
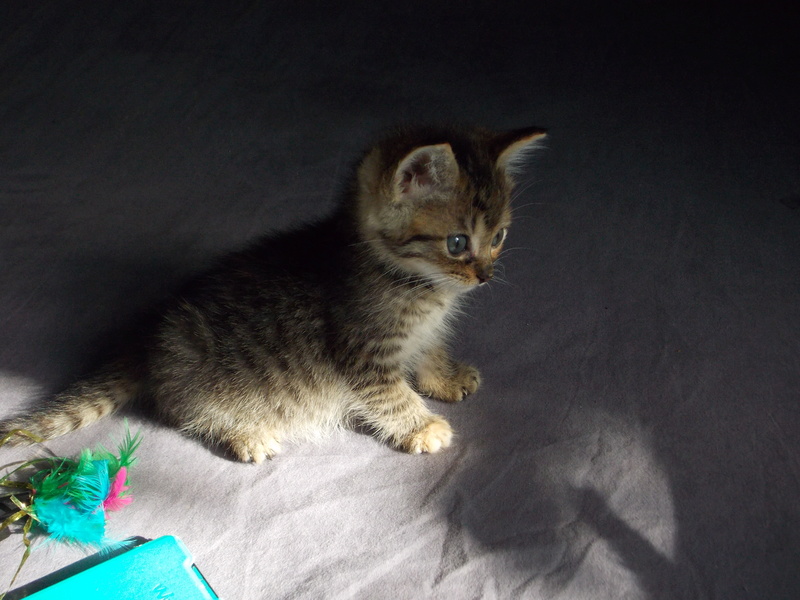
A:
x: 516, y: 208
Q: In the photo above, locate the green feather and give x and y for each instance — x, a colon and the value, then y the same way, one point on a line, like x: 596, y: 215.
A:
x: 124, y: 455
x: 50, y: 481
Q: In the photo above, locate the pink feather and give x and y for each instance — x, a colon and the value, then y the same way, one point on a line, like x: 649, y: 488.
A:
x: 115, y: 500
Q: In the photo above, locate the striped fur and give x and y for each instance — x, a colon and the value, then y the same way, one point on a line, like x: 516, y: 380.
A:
x: 343, y: 322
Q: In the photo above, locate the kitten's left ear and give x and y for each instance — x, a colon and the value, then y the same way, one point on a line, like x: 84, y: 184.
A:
x: 511, y: 148
x: 425, y: 171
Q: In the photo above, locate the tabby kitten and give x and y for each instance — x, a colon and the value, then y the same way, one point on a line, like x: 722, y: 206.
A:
x: 343, y: 322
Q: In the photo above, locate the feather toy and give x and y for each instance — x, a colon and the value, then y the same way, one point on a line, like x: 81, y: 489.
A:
x: 67, y: 500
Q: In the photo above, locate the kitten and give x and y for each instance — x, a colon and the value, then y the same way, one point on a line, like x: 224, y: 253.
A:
x: 343, y: 322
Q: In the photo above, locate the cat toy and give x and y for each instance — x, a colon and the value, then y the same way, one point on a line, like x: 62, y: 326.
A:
x: 66, y: 500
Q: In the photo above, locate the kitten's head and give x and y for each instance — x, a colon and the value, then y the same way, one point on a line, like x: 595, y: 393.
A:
x: 435, y: 203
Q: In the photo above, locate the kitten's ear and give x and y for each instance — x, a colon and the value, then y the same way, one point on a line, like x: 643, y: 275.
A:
x: 511, y: 148
x: 424, y: 171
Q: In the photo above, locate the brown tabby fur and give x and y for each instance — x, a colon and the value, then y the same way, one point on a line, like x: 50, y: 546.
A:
x: 342, y: 322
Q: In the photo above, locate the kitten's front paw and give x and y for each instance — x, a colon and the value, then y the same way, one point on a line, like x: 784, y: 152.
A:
x: 467, y: 379
x: 255, y: 450
x: 453, y: 387
x: 450, y: 386
x: 433, y: 437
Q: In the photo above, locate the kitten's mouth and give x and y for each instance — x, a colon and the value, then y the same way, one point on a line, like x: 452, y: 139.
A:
x: 460, y: 285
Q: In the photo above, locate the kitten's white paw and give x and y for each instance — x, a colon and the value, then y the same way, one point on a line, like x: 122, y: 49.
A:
x: 255, y: 450
x: 433, y: 437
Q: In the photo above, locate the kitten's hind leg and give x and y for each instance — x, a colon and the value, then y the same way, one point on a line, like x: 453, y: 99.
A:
x: 440, y: 377
x: 245, y: 442
x: 398, y: 415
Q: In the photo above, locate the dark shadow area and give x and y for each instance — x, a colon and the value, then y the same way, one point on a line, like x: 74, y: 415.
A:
x: 74, y: 321
x: 658, y: 576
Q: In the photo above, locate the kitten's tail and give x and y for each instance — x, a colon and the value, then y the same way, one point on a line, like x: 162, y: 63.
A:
x: 81, y: 404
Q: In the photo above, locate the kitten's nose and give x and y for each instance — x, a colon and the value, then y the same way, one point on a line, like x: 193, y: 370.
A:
x: 484, y: 273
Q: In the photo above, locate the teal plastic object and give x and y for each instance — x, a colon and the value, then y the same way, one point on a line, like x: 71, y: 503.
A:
x: 162, y: 569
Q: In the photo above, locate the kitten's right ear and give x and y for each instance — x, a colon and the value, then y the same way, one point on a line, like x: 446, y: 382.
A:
x: 425, y: 171
x: 511, y: 148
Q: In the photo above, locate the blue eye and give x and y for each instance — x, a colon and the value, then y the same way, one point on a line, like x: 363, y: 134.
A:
x: 499, y: 237
x: 456, y: 244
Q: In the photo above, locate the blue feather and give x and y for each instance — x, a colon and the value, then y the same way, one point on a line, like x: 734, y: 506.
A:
x: 64, y: 523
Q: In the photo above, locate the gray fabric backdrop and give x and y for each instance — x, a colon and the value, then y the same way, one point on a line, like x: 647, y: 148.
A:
x: 638, y: 432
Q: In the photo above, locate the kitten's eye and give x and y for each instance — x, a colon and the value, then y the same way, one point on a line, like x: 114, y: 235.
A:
x: 499, y: 237
x: 456, y: 244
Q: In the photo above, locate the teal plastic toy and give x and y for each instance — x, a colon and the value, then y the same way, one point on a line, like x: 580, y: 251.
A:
x: 161, y: 569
